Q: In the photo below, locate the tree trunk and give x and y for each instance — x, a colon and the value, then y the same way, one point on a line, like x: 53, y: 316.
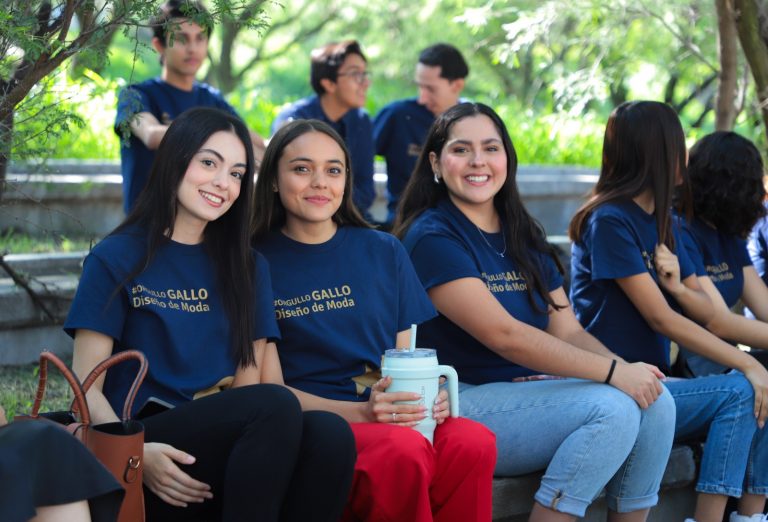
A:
x: 725, y: 104
x: 755, y: 50
x: 6, y: 134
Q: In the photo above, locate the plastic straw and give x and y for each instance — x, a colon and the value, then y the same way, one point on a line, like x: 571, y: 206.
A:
x: 413, y: 338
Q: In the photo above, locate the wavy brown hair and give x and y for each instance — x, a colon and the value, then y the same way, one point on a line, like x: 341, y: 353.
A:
x: 725, y: 176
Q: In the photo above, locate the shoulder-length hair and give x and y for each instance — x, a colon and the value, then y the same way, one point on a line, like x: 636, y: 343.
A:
x: 643, y: 148
x: 269, y: 210
x: 523, y: 233
x: 725, y: 176
x: 226, y: 240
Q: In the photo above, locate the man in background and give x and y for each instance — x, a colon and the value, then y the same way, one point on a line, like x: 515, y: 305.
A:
x: 149, y: 107
x: 400, y: 128
x: 339, y: 76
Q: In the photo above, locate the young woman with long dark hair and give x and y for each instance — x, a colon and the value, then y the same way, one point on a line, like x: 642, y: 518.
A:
x: 633, y: 285
x: 179, y: 281
x: 344, y: 294
x: 504, y: 319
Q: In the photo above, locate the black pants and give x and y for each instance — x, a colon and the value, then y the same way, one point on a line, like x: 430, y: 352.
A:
x: 263, y: 458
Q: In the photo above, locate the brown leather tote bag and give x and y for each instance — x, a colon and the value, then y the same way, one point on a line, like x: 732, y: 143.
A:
x: 119, y: 446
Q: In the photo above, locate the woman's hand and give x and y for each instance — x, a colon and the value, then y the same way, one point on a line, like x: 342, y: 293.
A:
x: 638, y: 380
x: 668, y: 269
x: 381, y: 405
x: 166, y: 480
x: 758, y: 377
x: 442, y: 408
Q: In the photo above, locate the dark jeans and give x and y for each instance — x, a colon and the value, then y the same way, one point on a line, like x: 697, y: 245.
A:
x: 263, y: 458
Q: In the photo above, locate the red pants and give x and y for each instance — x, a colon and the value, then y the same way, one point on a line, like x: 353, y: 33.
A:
x: 401, y: 477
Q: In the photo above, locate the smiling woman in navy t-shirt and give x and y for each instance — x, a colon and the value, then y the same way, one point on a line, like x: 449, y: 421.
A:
x: 344, y: 293
x: 179, y: 281
x: 632, y: 292
x: 504, y: 319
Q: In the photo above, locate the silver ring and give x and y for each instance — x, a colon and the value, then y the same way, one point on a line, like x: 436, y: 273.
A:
x: 394, y: 417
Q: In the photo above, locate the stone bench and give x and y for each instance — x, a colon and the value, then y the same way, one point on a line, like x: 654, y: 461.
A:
x: 25, y: 328
x: 513, y: 496
x: 84, y: 198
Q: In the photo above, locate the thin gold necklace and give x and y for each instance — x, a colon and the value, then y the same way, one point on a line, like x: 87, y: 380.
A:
x: 503, y: 238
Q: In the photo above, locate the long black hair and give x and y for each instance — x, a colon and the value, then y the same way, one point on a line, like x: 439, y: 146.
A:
x: 520, y: 229
x: 643, y: 148
x: 269, y: 211
x: 725, y: 174
x: 227, y: 239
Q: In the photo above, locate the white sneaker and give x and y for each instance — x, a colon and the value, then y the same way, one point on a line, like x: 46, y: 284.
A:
x: 757, y: 517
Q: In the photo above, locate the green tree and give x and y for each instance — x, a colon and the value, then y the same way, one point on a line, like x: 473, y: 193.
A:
x: 38, y: 36
x: 752, y: 25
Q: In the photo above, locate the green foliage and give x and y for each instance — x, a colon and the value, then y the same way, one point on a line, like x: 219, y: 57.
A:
x: 20, y: 385
x: 67, y: 118
x: 553, y: 69
x: 12, y: 242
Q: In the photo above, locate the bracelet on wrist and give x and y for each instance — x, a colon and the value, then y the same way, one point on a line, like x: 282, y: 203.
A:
x: 610, y: 372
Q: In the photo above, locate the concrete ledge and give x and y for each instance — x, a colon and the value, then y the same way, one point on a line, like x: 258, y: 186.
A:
x: 25, y: 330
x: 17, y: 308
x: 54, y: 263
x: 513, y: 496
x: 85, y: 198
x: 23, y: 345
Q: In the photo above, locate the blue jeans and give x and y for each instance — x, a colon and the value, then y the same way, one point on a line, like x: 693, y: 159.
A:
x: 757, y: 469
x: 585, y: 434
x: 721, y: 408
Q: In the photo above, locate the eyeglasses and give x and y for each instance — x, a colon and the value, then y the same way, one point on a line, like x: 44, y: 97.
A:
x: 358, y: 76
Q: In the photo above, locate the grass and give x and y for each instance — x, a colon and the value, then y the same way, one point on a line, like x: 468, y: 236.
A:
x: 19, y: 386
x: 12, y: 242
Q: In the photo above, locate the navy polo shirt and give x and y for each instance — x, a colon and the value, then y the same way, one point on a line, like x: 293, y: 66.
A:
x: 399, y: 131
x: 355, y: 127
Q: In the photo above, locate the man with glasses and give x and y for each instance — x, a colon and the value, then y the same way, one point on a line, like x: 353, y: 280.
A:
x: 400, y: 128
x: 340, y: 79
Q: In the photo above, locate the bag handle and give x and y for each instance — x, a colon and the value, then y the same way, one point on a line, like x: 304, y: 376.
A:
x: 106, y: 364
x: 79, y: 400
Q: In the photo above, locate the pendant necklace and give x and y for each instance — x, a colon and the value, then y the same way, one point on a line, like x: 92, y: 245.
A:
x: 503, y: 238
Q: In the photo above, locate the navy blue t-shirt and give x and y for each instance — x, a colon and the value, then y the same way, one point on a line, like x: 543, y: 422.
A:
x: 619, y: 241
x: 757, y: 245
x: 720, y: 256
x: 399, y: 131
x: 339, y: 305
x: 444, y: 246
x: 171, y: 311
x: 165, y: 102
x: 355, y: 128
